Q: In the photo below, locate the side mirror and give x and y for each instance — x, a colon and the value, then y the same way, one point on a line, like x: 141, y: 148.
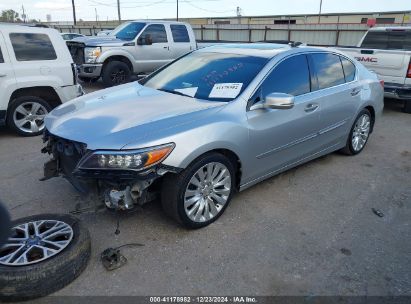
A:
x: 146, y: 40
x: 278, y: 101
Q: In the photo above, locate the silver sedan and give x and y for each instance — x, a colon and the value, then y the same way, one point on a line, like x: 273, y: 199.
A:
x: 215, y: 121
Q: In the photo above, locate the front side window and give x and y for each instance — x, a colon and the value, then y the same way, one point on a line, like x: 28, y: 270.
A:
x: 157, y: 32
x: 208, y: 75
x: 291, y: 76
x: 29, y: 47
x: 180, y: 33
x: 329, y: 70
x: 128, y: 31
x: 349, y: 69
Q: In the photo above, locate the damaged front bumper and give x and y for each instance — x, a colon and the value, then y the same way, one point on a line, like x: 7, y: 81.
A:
x: 119, y: 189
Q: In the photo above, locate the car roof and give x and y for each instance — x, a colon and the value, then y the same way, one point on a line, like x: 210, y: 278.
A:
x: 265, y: 50
x: 25, y: 28
x: 157, y: 21
x: 390, y: 28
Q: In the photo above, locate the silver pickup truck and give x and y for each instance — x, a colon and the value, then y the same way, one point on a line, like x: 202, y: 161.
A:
x: 136, y: 47
x: 387, y: 52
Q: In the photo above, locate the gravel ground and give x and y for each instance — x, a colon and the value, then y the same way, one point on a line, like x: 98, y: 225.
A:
x: 309, y: 231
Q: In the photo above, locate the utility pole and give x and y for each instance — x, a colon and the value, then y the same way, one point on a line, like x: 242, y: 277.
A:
x: 24, y: 14
x: 95, y: 9
x: 74, y: 12
x: 177, y: 10
x: 319, y: 14
x: 118, y: 10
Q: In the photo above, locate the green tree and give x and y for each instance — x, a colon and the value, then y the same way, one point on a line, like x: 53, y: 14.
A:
x: 9, y: 16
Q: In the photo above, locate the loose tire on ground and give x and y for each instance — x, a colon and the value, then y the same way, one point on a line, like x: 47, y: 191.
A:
x: 115, y: 73
x: 174, y: 187
x: 349, y: 149
x: 18, y: 283
x: 25, y: 101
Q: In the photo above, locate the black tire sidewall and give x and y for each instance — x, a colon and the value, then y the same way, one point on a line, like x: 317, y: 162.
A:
x: 109, y: 67
x: 189, y: 172
x: 40, y: 279
x: 16, y: 103
x: 349, y: 143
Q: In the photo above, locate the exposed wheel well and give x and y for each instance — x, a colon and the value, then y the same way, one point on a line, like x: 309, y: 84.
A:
x: 372, y: 112
x: 46, y: 93
x: 120, y: 58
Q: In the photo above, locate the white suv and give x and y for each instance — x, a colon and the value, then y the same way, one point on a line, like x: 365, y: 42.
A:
x: 37, y: 74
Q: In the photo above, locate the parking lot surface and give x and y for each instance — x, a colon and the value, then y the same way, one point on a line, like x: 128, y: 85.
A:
x: 309, y: 231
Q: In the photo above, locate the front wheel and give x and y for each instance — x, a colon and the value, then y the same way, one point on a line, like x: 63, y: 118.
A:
x: 359, y: 134
x: 115, y: 73
x: 198, y: 196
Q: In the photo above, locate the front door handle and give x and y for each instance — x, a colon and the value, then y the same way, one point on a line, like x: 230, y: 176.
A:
x: 311, y: 107
x: 166, y: 47
x: 355, y: 91
x: 3, y: 75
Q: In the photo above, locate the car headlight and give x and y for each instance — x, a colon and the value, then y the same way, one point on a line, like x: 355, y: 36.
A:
x: 91, y: 54
x: 126, y: 160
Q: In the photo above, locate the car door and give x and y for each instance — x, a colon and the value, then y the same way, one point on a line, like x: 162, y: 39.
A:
x: 279, y: 138
x: 7, y: 79
x: 152, y: 56
x: 338, y: 98
x: 181, y: 40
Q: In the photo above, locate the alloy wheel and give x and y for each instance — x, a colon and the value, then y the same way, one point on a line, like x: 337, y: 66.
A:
x: 207, y: 192
x: 361, y: 132
x: 29, y: 117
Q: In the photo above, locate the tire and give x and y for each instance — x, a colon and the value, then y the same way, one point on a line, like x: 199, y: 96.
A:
x: 407, y: 106
x: 175, y: 185
x: 350, y: 148
x: 115, y: 73
x: 25, y: 103
x: 24, y: 282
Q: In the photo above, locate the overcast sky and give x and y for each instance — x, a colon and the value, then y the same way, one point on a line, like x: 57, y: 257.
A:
x: 60, y: 10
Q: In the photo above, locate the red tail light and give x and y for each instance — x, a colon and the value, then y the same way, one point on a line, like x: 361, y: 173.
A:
x: 409, y: 71
x: 382, y: 83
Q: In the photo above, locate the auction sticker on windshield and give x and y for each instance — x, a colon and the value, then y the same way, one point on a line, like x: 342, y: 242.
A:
x: 225, y: 90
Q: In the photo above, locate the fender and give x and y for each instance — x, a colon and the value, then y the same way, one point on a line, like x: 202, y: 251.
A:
x: 116, y: 52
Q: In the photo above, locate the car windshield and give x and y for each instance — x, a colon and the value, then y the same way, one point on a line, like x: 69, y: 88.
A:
x: 207, y: 75
x: 128, y: 31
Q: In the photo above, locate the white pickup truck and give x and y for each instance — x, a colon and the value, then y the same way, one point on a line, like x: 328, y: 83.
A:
x: 387, y: 52
x: 135, y: 47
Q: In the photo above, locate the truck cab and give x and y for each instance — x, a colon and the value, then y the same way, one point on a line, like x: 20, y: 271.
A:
x: 135, y: 47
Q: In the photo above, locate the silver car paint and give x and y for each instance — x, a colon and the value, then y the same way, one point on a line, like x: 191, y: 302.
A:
x: 266, y: 141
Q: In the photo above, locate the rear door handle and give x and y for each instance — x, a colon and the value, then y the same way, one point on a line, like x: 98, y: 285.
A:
x: 311, y: 107
x: 355, y: 91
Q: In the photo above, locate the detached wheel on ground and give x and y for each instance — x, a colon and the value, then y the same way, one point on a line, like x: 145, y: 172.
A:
x: 115, y: 73
x: 25, y: 115
x: 359, y: 134
x: 198, y: 195
x: 44, y: 253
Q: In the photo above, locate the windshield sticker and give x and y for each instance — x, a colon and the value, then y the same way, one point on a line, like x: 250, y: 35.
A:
x: 188, y: 91
x: 225, y: 90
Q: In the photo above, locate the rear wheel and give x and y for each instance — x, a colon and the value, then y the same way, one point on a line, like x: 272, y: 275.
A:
x: 359, y: 134
x: 198, y: 196
x: 115, y: 73
x: 26, y: 114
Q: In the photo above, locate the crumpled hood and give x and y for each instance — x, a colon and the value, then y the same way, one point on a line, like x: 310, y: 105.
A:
x: 115, y: 117
x: 100, y: 41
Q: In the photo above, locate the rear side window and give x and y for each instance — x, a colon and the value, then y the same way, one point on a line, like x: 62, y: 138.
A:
x: 28, y: 47
x: 157, y: 32
x: 392, y: 40
x: 180, y: 33
x: 349, y: 69
x: 291, y: 76
x: 1, y: 57
x: 328, y: 69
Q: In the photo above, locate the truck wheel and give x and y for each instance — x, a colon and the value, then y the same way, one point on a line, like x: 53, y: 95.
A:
x: 115, y: 73
x: 407, y: 106
x: 198, y: 195
x: 44, y: 253
x: 25, y: 115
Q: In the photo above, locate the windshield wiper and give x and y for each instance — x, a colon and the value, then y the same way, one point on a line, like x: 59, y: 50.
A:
x: 174, y: 92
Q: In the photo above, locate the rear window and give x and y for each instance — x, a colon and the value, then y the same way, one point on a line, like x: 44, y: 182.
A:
x: 180, y: 33
x: 392, y: 40
x: 29, y: 47
x: 1, y: 57
x: 349, y: 69
x: 329, y: 70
